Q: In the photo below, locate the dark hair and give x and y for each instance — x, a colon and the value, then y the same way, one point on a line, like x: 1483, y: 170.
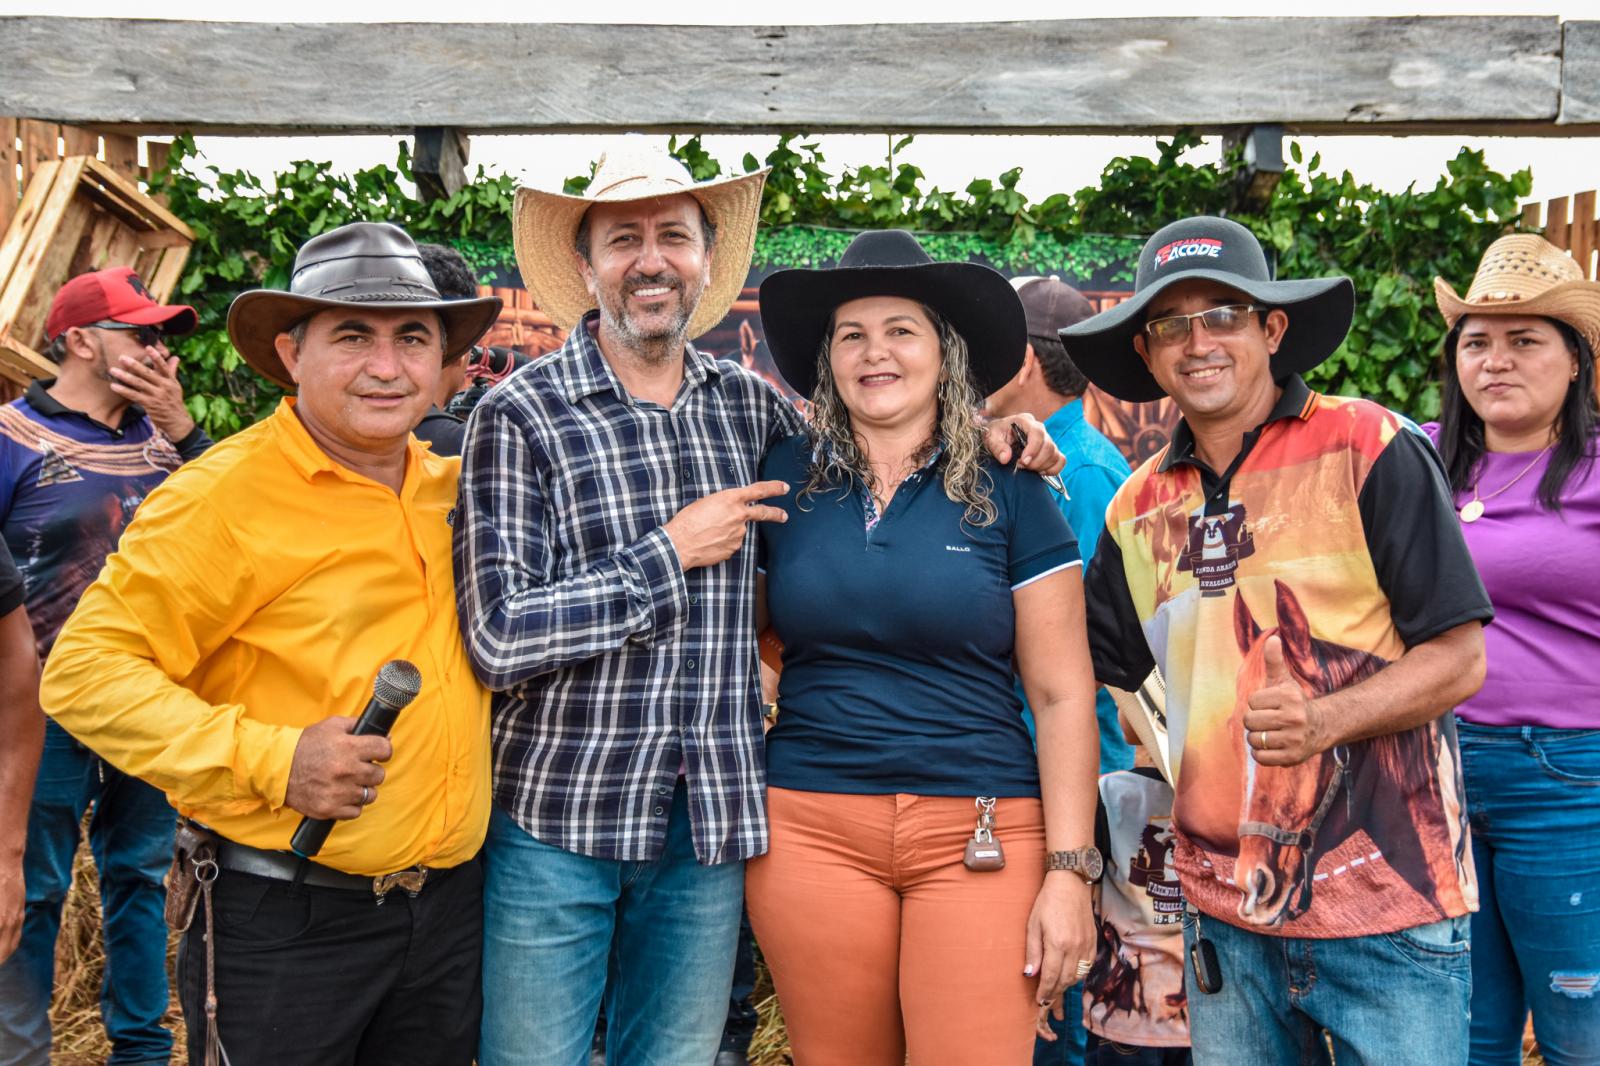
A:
x: 708, y: 232
x: 1060, y: 372
x: 1461, y: 435
x: 450, y: 272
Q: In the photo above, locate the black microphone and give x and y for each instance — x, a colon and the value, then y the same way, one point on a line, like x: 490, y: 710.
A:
x: 397, y: 684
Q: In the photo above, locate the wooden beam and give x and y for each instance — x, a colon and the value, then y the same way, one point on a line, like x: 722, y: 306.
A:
x: 1310, y: 75
x: 1580, y: 73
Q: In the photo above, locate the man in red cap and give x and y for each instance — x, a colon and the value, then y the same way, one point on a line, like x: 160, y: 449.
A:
x: 77, y: 455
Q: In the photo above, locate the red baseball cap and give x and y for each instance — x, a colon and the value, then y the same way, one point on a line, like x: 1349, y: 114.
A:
x: 114, y: 295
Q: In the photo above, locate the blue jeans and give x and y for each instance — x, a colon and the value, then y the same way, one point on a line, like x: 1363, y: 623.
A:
x: 561, y: 929
x: 1383, y: 999
x: 1533, y: 798
x: 1068, y: 1047
x: 130, y: 836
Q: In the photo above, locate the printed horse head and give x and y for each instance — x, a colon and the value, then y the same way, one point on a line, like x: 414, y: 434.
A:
x: 1270, y: 873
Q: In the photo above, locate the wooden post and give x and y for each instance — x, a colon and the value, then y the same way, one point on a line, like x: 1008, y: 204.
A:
x: 439, y: 161
x: 1530, y: 215
x: 76, y: 140
x: 1585, y: 232
x: 40, y: 145
x: 122, y: 152
x: 10, y: 187
x: 1555, y: 222
x: 156, y: 155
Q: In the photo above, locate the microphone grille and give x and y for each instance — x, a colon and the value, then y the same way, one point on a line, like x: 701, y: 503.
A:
x: 398, y: 683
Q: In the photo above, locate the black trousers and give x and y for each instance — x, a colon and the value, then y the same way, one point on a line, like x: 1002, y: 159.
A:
x: 326, y: 977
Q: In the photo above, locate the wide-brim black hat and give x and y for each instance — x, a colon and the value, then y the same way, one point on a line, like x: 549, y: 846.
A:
x: 1213, y: 249
x: 796, y: 306
x: 363, y: 264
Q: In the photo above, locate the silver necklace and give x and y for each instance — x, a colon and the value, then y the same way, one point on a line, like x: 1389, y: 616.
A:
x: 1472, y: 510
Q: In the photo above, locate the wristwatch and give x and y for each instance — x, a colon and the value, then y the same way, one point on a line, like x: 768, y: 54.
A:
x: 1085, y: 862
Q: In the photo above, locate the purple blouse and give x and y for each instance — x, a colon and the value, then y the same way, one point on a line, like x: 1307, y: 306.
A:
x: 1542, y: 571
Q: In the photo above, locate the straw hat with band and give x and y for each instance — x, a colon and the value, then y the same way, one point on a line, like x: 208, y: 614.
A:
x: 796, y: 306
x: 1527, y: 275
x: 364, y: 264
x: 1213, y: 249
x: 544, y: 228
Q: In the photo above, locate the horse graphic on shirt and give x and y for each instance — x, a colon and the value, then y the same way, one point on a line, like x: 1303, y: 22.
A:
x: 1292, y: 816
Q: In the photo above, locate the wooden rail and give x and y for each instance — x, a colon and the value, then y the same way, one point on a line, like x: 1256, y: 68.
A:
x: 1506, y: 74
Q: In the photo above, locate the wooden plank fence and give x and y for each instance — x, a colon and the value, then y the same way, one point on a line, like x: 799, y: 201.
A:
x: 30, y: 148
x: 26, y: 145
x: 1570, y: 222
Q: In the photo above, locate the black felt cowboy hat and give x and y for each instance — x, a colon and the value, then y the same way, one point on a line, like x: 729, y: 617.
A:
x: 1215, y: 249
x: 363, y: 264
x: 979, y: 302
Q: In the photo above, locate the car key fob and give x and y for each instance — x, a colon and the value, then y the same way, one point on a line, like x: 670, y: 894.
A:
x: 1207, y: 973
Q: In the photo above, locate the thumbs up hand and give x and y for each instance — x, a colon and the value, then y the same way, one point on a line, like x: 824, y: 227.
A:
x: 1282, y: 725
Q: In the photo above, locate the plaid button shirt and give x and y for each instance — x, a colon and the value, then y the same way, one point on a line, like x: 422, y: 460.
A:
x: 614, y: 667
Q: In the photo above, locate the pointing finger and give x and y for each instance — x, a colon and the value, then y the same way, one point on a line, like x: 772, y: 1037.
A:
x: 760, y: 490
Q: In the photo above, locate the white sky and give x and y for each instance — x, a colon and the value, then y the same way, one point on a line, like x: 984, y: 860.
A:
x: 1561, y: 166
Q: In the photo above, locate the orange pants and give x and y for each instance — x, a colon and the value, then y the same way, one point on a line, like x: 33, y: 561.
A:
x: 882, y: 943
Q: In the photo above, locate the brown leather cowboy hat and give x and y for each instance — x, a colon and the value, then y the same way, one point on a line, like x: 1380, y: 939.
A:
x: 363, y: 264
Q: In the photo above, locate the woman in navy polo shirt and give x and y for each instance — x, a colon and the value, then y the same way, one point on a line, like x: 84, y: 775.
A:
x: 912, y: 576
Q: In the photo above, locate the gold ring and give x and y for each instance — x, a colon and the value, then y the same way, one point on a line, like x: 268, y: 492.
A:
x: 1083, y: 967
x: 1261, y: 739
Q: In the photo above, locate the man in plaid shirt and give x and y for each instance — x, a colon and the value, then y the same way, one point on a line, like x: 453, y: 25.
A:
x: 606, y: 496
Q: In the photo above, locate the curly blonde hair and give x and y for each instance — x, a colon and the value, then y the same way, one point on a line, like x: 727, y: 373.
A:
x: 838, y: 461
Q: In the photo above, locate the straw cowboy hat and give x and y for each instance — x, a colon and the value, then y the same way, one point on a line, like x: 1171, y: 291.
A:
x: 544, y: 227
x: 797, y: 305
x: 1215, y: 249
x: 363, y: 264
x: 1527, y: 275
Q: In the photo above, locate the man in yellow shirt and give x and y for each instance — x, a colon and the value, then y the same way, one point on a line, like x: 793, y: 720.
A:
x: 228, y: 644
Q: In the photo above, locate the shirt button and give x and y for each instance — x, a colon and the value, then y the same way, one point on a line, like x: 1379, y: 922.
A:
x: 693, y: 599
x: 661, y: 790
x: 661, y: 810
x: 688, y: 474
x: 689, y: 664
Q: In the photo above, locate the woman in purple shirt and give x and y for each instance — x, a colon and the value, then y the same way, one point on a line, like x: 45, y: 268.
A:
x: 1517, y: 433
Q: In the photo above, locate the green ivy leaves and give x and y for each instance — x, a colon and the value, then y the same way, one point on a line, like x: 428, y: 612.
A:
x: 1392, y: 244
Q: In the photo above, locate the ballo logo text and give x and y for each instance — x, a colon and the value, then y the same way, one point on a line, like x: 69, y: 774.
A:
x: 1206, y: 247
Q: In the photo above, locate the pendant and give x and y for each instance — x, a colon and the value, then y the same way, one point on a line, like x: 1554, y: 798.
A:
x: 1472, y: 511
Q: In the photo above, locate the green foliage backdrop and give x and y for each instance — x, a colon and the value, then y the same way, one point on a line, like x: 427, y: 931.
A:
x: 1319, y: 223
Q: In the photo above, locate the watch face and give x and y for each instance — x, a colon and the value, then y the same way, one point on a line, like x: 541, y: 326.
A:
x: 1093, y: 864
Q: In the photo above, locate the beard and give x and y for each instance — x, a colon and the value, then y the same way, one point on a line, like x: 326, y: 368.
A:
x: 660, y: 337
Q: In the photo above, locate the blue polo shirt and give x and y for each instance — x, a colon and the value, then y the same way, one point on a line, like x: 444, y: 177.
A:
x: 1094, y: 472
x: 897, y: 661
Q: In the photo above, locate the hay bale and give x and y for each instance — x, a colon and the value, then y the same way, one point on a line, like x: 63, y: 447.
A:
x: 78, y: 1037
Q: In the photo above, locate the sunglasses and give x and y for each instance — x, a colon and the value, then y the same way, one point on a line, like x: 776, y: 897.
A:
x: 148, y: 336
x: 1229, y: 319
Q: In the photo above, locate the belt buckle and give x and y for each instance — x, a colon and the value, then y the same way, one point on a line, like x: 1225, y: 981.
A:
x: 411, y: 880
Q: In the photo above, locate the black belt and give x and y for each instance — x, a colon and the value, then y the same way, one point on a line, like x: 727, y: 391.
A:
x: 284, y: 866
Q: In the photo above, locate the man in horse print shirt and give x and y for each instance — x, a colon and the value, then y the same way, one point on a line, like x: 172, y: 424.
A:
x: 1293, y: 565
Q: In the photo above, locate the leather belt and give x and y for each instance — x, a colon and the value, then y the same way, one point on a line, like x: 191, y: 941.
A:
x: 283, y: 866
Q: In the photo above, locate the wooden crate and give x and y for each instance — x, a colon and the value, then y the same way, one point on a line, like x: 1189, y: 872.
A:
x: 77, y: 214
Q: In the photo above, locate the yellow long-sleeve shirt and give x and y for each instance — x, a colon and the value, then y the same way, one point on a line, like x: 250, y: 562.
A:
x: 257, y: 591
